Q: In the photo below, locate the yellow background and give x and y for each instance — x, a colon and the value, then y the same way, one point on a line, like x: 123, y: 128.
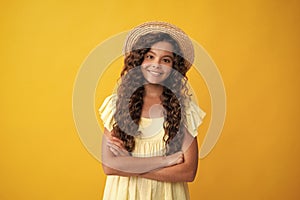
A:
x: 255, y: 45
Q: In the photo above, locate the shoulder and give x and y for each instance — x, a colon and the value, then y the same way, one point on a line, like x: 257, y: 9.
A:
x: 194, y: 117
x: 108, y: 101
x: 107, y: 110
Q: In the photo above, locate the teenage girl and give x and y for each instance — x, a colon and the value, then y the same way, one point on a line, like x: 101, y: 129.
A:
x: 149, y: 148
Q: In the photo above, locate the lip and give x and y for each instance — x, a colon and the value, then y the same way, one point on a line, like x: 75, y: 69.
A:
x: 155, y: 73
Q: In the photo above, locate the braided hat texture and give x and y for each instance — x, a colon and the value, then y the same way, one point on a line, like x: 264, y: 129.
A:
x: 176, y: 33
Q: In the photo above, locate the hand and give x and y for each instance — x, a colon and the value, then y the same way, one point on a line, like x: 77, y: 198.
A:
x: 175, y: 159
x: 116, y: 146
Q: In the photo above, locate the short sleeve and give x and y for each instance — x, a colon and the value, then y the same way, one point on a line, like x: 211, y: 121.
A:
x: 194, y: 118
x: 107, y: 110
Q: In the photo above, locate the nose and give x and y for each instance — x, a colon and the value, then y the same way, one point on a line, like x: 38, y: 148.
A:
x: 155, y: 63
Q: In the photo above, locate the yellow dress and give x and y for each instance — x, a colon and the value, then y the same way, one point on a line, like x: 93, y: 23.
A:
x: 137, y: 188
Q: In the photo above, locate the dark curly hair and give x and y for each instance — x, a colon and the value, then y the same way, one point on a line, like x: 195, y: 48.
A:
x: 131, y: 91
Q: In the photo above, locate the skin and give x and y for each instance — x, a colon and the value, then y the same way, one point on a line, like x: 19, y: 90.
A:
x: 178, y: 167
x: 117, y: 161
x: 157, y: 65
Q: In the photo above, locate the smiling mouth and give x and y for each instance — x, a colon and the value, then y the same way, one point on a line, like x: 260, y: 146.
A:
x: 155, y: 73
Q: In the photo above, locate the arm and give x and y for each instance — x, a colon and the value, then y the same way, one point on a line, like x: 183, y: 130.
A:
x: 132, y: 166
x: 184, y: 172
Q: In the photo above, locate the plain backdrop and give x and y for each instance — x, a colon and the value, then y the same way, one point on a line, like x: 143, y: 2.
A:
x: 255, y: 45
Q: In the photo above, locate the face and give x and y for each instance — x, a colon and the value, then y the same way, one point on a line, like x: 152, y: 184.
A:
x: 158, y: 62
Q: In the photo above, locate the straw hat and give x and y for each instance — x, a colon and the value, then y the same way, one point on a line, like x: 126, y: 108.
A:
x: 176, y: 33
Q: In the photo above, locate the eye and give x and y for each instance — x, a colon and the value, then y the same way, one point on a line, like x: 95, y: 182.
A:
x: 149, y: 56
x: 167, y: 60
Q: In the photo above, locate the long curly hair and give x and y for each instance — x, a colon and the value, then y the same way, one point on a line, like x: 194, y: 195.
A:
x: 131, y: 91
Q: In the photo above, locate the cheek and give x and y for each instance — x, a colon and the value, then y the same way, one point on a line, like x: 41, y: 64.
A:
x: 144, y: 66
x: 145, y: 63
x: 167, y: 66
x: 167, y: 70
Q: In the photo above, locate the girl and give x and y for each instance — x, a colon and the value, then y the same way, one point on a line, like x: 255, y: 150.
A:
x: 149, y: 148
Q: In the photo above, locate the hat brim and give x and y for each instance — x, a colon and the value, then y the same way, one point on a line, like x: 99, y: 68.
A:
x: 176, y: 33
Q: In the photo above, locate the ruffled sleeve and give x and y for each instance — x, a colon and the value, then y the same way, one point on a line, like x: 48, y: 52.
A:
x: 194, y: 118
x: 107, y: 110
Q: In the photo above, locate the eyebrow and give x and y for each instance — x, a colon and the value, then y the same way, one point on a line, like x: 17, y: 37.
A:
x: 163, y: 56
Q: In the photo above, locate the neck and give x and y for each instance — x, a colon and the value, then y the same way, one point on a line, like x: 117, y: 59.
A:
x: 153, y: 90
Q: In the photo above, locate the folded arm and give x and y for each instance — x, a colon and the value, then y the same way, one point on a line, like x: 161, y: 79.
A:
x: 126, y: 165
x: 184, y: 172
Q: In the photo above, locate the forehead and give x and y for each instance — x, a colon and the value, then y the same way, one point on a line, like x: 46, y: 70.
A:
x: 163, y: 46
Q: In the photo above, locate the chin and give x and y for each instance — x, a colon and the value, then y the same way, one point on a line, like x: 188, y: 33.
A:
x: 153, y: 82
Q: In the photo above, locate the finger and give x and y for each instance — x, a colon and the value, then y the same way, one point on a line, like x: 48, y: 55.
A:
x: 116, y: 153
x: 112, y: 145
x: 116, y: 139
x: 108, y: 142
x: 111, y: 141
x: 121, y: 152
x: 118, y: 142
x: 180, y: 160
